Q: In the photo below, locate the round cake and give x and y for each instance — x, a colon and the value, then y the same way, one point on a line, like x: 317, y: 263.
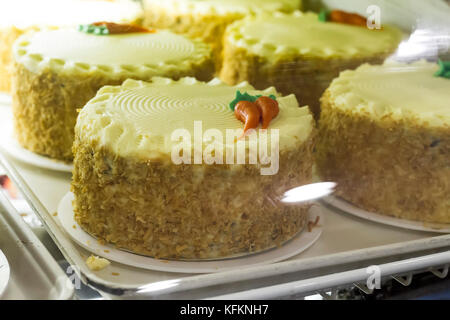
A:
x: 131, y: 189
x: 58, y: 71
x: 20, y: 16
x: 297, y: 53
x: 384, y: 137
x: 207, y: 19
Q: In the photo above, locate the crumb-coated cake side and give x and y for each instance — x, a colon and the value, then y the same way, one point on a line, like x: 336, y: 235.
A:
x: 57, y: 71
x: 299, y: 54
x: 129, y: 192
x: 208, y: 19
x: 21, y: 16
x: 384, y: 137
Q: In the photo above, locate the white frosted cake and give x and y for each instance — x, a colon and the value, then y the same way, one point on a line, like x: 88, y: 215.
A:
x: 20, y: 16
x: 132, y: 191
x: 207, y: 19
x: 385, y: 139
x: 58, y: 71
x: 297, y: 53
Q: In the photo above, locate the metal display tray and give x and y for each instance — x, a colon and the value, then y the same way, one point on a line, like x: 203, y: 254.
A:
x: 34, y: 272
x: 347, y: 246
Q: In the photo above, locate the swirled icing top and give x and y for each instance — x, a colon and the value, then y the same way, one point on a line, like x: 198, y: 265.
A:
x: 138, y: 118
x: 57, y: 13
x: 281, y: 35
x: 140, y: 54
x: 395, y: 91
x: 222, y: 7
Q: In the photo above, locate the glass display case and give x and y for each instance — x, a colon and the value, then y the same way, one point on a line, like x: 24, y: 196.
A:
x: 163, y: 149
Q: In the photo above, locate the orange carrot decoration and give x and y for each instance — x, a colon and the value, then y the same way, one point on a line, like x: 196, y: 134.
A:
x: 340, y: 16
x: 106, y: 28
x: 253, y: 109
x: 268, y: 108
x: 347, y: 18
x: 117, y: 28
x: 247, y: 112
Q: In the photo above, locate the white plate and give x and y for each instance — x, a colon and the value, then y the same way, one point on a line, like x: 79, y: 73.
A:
x: 5, y: 99
x: 376, y: 217
x: 14, y: 149
x: 4, y: 273
x: 291, y: 248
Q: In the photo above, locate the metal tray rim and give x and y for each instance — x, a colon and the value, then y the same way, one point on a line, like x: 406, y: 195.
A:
x: 38, y: 252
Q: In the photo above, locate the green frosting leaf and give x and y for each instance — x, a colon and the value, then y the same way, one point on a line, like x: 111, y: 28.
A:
x: 246, y: 97
x: 444, y: 70
x: 323, y: 15
x: 97, y: 30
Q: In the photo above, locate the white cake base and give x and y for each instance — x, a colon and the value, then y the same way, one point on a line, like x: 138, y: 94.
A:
x: 385, y: 219
x: 298, y: 244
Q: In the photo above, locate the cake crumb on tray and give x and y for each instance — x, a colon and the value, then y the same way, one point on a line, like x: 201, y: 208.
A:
x: 96, y: 263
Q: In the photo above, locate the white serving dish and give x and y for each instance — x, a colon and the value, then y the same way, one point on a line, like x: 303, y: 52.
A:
x: 5, y: 99
x: 348, y: 207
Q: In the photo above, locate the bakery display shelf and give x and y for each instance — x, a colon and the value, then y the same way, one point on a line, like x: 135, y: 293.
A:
x: 401, y: 271
x: 347, y: 246
x: 34, y: 274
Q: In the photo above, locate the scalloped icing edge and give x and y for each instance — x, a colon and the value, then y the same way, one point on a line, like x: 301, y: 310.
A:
x: 343, y: 98
x: 35, y: 62
x: 105, y: 128
x: 131, y: 84
x: 211, y: 9
x: 233, y: 35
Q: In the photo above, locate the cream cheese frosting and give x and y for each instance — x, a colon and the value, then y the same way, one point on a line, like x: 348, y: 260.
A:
x: 138, y: 118
x: 139, y: 54
x: 227, y: 7
x: 28, y: 13
x: 282, y: 35
x: 396, y: 91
